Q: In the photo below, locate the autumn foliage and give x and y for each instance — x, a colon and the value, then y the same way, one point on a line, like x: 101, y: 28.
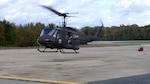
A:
x: 26, y: 35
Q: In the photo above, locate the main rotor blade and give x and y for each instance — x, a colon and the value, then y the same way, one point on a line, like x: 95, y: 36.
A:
x: 54, y: 11
x: 72, y: 13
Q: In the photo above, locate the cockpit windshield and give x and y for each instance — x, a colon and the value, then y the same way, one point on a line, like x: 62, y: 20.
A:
x: 51, y: 32
x: 45, y: 31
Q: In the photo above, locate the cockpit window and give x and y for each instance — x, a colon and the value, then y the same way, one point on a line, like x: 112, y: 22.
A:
x: 51, y: 32
x: 45, y: 31
x: 55, y: 33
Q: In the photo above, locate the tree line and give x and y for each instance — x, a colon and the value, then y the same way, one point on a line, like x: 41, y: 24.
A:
x: 26, y: 35
x: 122, y: 32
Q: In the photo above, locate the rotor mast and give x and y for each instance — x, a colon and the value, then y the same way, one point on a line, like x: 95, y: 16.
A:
x: 64, y: 21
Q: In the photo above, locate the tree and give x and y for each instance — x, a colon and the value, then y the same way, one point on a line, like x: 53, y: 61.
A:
x: 87, y: 31
x: 9, y: 33
x: 51, y: 25
x: 2, y: 37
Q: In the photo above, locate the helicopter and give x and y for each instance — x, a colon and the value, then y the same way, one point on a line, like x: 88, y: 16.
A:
x: 63, y: 37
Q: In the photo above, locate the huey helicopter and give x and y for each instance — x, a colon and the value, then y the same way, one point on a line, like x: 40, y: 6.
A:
x: 63, y: 37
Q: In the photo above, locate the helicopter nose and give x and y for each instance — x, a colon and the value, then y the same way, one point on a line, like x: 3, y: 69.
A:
x: 45, y: 40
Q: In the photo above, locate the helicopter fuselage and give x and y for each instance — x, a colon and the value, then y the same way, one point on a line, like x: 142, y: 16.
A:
x: 63, y: 37
x: 59, y: 38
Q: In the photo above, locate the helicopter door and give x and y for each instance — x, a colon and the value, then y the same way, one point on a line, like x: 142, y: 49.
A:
x: 65, y: 37
x: 75, y: 39
x: 72, y: 41
x: 60, y: 37
x: 70, y: 37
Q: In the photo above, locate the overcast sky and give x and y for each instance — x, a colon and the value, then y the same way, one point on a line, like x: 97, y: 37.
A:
x: 112, y: 12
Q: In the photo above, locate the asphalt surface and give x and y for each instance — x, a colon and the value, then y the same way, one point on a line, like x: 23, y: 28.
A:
x: 94, y: 65
x: 139, y: 79
x: 6, y: 81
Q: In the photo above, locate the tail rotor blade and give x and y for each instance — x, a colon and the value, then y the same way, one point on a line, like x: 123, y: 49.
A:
x: 102, y: 23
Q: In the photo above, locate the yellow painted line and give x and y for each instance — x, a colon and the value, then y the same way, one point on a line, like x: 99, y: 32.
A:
x: 38, y: 80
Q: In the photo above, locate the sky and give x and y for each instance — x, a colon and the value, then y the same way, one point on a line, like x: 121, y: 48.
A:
x: 90, y: 12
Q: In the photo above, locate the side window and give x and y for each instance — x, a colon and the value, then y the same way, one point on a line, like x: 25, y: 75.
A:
x: 75, y: 36
x: 55, y: 34
x: 59, y: 34
x: 42, y: 33
x: 66, y: 35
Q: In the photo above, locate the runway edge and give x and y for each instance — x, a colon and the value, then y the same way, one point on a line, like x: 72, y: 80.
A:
x: 38, y: 80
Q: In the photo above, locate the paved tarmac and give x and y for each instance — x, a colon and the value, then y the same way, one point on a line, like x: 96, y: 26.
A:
x: 139, y: 79
x: 6, y: 81
x: 95, y: 65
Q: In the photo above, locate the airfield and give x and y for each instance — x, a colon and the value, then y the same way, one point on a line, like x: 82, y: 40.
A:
x: 94, y: 65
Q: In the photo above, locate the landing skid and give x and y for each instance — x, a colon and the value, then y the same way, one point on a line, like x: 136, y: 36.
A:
x: 58, y: 50
x: 63, y: 52
x: 44, y: 50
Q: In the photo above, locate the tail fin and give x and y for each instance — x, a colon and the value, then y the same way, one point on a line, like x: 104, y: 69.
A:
x: 98, y: 33
x: 96, y: 37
